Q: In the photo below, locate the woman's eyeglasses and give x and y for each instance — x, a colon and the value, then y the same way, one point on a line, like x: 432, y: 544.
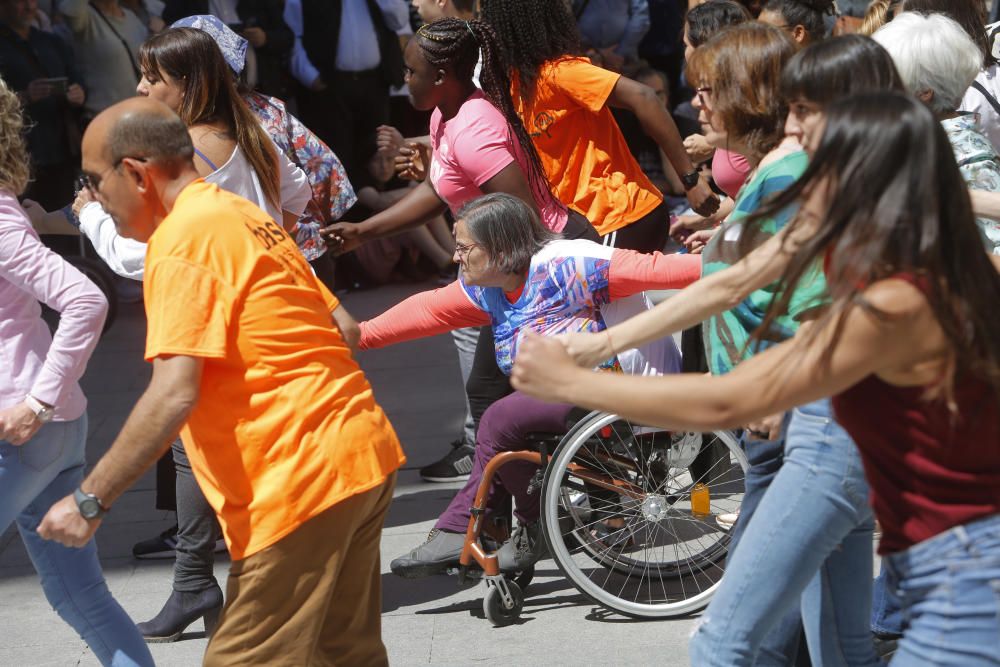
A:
x: 463, y: 249
x: 704, y: 92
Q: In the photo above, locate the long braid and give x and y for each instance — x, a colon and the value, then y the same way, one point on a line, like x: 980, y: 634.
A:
x: 531, y: 33
x: 455, y: 45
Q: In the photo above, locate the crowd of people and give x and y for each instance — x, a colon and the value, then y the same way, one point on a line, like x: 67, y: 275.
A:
x: 818, y: 179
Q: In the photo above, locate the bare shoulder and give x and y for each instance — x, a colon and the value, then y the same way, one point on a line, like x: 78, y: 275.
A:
x: 897, y: 297
x: 212, y: 143
x: 996, y: 262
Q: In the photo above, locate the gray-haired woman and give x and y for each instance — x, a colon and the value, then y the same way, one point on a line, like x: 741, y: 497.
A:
x: 937, y: 61
x: 518, y: 277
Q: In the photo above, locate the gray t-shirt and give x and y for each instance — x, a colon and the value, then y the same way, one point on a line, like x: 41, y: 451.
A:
x: 109, y: 72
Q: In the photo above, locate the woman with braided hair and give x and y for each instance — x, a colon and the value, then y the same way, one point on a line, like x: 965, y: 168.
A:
x: 563, y: 101
x: 479, y: 144
x: 479, y: 147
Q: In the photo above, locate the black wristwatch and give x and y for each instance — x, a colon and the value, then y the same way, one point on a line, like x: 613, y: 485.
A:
x: 690, y: 179
x: 89, y: 505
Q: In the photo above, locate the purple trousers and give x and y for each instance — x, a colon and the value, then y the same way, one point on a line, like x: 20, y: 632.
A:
x: 503, y: 428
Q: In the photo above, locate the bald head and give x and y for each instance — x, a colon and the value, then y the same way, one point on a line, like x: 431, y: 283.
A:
x: 141, y: 128
x: 137, y: 159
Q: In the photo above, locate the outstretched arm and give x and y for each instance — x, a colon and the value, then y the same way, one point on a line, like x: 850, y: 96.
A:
x: 632, y: 272
x: 709, y: 296
x: 418, y: 206
x: 780, y: 378
x: 425, y: 314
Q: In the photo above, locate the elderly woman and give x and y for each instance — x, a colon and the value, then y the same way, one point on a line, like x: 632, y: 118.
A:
x: 937, y: 61
x: 516, y: 276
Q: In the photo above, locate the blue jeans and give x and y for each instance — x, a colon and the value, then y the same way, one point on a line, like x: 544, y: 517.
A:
x: 764, y: 457
x: 808, y: 548
x: 949, y: 589
x: 32, y: 478
x: 887, y: 616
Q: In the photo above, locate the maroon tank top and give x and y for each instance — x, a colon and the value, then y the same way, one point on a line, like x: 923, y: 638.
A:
x: 929, y: 469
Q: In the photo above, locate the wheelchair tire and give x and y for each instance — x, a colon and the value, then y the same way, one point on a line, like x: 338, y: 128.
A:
x: 669, y: 556
x: 496, y: 611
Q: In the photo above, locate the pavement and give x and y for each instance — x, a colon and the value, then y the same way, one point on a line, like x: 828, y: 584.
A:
x: 425, y: 622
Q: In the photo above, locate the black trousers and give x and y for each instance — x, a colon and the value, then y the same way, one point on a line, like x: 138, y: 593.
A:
x: 345, y: 116
x: 647, y: 234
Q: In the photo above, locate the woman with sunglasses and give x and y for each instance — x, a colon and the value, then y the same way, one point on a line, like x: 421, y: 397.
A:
x: 909, y: 350
x: 184, y: 69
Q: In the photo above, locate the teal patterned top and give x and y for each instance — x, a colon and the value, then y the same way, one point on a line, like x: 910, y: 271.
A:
x: 727, y: 335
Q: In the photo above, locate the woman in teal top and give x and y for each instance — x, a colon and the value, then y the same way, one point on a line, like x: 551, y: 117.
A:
x: 727, y: 335
x: 809, y: 547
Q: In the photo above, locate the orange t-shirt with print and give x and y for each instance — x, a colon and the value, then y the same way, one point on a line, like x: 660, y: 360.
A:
x: 584, y: 154
x: 286, y: 424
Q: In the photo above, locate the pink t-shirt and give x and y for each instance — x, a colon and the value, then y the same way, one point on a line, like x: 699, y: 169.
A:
x: 729, y: 171
x: 472, y: 148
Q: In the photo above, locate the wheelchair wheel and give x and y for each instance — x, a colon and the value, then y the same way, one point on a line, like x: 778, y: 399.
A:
x: 629, y: 511
x: 500, y: 612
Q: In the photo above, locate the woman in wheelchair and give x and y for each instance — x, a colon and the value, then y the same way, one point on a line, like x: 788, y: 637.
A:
x: 516, y: 276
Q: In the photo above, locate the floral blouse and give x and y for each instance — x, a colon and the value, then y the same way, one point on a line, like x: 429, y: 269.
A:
x: 979, y: 165
x: 332, y: 192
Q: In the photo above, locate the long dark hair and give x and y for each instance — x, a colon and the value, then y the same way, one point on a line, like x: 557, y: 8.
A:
x: 455, y: 45
x: 898, y: 205
x: 834, y: 68
x: 531, y: 33
x: 192, y: 58
x: 810, y: 14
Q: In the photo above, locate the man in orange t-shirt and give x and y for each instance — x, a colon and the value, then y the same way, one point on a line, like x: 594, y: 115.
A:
x: 280, y: 424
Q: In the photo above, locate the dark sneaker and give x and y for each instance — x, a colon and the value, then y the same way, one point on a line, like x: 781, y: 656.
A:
x: 441, y: 551
x: 164, y: 546
x: 885, y: 645
x: 454, y: 467
x: 160, y: 547
x: 525, y: 547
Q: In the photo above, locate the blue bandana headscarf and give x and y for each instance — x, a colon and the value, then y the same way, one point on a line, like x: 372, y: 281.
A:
x: 233, y: 47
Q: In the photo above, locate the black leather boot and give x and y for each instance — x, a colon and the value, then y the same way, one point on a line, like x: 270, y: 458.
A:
x: 180, y: 611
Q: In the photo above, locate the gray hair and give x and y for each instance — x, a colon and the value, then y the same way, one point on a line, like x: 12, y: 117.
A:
x: 159, y: 137
x: 932, y: 53
x: 507, y: 229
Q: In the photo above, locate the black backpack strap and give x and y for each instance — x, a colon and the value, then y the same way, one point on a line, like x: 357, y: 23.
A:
x: 989, y: 98
x: 128, y: 50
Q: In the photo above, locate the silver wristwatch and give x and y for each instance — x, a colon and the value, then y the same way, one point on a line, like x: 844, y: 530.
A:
x: 42, y: 411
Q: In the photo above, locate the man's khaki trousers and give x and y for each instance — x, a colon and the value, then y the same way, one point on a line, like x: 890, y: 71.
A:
x: 313, y: 599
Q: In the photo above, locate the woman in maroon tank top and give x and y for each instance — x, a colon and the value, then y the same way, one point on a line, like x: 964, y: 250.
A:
x: 909, y: 349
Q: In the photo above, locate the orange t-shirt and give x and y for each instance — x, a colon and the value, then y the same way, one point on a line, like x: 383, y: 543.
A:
x: 584, y: 154
x: 286, y: 425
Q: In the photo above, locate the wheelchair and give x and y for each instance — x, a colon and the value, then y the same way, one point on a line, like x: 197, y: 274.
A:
x: 628, y: 513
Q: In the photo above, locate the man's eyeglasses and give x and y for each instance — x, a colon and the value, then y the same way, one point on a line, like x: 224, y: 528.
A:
x: 92, y: 182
